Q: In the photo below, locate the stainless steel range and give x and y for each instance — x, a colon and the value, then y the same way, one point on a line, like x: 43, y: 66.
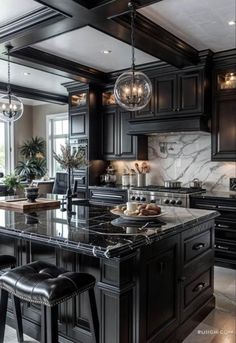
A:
x: 161, y: 195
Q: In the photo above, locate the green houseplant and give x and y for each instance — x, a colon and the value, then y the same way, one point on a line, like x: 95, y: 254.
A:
x: 33, y: 164
x: 13, y: 182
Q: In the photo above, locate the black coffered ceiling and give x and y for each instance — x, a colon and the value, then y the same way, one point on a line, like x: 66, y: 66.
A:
x: 110, y: 17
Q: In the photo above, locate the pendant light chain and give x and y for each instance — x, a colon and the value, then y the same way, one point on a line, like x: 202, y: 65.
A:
x: 9, y: 71
x: 132, y: 6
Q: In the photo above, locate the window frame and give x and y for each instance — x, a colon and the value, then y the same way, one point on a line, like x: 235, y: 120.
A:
x: 50, y: 119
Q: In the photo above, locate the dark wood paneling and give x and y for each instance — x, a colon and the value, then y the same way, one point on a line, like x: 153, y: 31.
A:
x: 166, y: 94
x: 224, y: 129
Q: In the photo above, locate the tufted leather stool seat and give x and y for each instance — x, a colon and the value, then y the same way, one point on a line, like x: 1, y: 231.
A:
x: 43, y: 283
x: 7, y: 261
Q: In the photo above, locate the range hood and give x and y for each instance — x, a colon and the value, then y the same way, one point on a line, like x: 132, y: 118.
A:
x: 148, y: 126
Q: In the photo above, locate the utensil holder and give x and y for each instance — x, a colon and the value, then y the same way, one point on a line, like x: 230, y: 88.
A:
x: 141, y: 180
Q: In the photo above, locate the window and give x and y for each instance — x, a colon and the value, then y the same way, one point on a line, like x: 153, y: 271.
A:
x: 57, y: 134
x: 6, y: 152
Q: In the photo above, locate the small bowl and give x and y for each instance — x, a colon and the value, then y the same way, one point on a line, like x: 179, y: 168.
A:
x: 31, y: 193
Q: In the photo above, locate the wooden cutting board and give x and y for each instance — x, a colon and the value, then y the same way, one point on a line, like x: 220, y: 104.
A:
x: 25, y: 206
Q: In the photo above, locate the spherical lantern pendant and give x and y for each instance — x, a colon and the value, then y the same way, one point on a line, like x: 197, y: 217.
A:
x: 133, y: 90
x: 11, y: 108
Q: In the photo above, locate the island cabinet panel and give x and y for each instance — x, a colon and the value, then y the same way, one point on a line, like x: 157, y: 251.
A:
x: 159, y: 284
x: 197, y: 272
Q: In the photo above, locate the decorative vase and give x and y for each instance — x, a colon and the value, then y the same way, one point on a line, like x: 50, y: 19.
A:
x: 31, y: 193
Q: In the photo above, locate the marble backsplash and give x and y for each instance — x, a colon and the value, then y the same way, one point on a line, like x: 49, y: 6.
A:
x: 183, y: 157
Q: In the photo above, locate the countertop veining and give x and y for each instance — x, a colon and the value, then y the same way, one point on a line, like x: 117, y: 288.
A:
x: 95, y: 230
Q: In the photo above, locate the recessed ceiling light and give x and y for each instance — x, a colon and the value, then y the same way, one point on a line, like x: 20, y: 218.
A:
x: 106, y: 52
x: 26, y: 73
x: 231, y: 22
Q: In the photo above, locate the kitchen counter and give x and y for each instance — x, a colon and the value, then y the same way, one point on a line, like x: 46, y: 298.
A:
x: 94, y: 230
x: 154, y: 280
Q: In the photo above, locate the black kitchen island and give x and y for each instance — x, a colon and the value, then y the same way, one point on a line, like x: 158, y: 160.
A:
x: 154, y: 279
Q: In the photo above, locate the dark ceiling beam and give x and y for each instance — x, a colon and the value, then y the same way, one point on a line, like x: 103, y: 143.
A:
x: 151, y: 37
x: 35, y: 94
x: 64, y: 67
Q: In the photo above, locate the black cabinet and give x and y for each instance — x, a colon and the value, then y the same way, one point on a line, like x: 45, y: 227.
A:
x: 224, y: 107
x: 225, y: 228
x: 149, y: 110
x: 176, y: 94
x: 85, y: 133
x: 159, y: 284
x: 224, y: 128
x: 116, y: 143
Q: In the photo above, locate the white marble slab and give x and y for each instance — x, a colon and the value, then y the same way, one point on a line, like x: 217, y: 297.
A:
x: 187, y: 158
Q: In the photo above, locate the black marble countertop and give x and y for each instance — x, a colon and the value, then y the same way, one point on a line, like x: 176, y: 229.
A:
x: 94, y: 230
x: 221, y: 195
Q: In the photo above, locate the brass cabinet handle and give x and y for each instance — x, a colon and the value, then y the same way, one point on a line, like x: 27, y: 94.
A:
x: 199, y: 287
x: 198, y: 246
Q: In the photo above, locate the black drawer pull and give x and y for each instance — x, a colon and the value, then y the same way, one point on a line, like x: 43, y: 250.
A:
x: 222, y: 247
x: 198, y: 246
x: 223, y: 226
x: 199, y: 287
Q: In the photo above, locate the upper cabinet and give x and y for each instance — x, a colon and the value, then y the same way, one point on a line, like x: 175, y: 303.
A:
x: 116, y: 143
x: 179, y: 93
x: 78, y: 109
x: 224, y: 112
x: 181, y: 100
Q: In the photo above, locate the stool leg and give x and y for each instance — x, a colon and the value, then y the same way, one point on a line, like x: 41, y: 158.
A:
x: 52, y: 325
x: 93, y: 316
x: 3, y: 313
x: 43, y: 324
x: 18, y: 318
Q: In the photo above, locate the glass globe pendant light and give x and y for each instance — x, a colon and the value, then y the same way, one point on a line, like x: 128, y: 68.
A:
x: 11, y: 107
x: 133, y: 89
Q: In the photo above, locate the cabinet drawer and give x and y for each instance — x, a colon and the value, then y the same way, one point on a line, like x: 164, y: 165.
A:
x: 100, y: 196
x: 197, y: 245
x: 197, y: 287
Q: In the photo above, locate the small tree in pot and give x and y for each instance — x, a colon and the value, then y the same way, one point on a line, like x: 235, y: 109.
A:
x: 70, y: 160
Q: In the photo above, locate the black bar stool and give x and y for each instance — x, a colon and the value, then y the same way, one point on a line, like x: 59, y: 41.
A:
x: 43, y: 283
x: 8, y: 261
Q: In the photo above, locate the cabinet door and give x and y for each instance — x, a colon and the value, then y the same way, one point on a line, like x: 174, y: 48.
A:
x: 166, y: 95
x: 224, y: 129
x: 160, y: 287
x: 127, y: 145
x: 109, y: 129
x: 78, y: 127
x: 190, y: 92
x: 149, y: 110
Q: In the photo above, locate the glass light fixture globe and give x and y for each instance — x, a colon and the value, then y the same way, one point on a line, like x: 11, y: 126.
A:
x: 11, y: 108
x: 133, y: 90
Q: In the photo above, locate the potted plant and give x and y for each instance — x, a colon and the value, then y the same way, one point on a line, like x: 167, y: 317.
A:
x: 13, y: 183
x: 34, y: 147
x: 70, y: 160
x: 34, y: 163
x: 31, y: 169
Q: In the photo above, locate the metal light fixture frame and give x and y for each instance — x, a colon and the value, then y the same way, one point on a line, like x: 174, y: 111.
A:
x: 11, y: 107
x: 133, y: 89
